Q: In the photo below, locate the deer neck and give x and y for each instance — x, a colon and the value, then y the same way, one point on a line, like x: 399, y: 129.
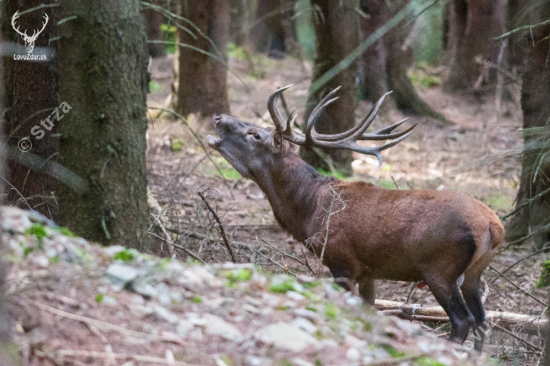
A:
x: 294, y: 190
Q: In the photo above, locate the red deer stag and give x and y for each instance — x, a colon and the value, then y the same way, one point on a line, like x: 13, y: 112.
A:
x: 444, y: 239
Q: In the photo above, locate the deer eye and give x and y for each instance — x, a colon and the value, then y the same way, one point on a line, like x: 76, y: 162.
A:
x: 256, y: 136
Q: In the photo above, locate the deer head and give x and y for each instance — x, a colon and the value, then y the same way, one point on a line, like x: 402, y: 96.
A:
x: 29, y: 40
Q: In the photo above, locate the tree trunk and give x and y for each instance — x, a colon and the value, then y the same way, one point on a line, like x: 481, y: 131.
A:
x: 372, y: 64
x: 472, y: 24
x: 275, y: 31
x: 201, y: 80
x: 385, y: 66
x: 336, y: 35
x: 154, y: 33
x: 533, y: 219
x: 103, y: 64
x: 398, y: 62
x: 31, y: 96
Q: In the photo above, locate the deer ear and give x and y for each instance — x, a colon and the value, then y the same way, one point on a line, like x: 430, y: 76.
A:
x: 277, y: 142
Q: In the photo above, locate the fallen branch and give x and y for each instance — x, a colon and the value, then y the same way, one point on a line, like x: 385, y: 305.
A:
x: 104, y: 325
x: 220, y: 225
x: 525, y: 323
x: 105, y: 355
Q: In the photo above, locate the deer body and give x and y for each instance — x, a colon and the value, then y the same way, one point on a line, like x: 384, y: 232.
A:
x: 444, y: 239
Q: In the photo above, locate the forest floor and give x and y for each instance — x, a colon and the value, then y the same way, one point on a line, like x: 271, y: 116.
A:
x: 80, y: 304
x: 475, y: 153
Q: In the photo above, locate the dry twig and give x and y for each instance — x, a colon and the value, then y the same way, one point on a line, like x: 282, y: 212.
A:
x: 220, y: 225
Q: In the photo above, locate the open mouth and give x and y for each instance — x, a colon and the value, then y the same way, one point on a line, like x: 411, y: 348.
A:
x: 212, y: 141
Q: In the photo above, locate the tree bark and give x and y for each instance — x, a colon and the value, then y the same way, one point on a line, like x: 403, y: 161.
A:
x: 201, y: 81
x: 372, y: 64
x: 103, y: 65
x: 31, y: 96
x: 336, y: 33
x: 472, y: 24
x: 533, y: 219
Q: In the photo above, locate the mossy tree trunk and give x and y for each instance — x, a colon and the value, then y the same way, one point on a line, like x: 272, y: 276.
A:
x: 103, y: 65
x: 533, y: 220
x: 202, y: 80
x: 31, y: 96
x: 336, y: 33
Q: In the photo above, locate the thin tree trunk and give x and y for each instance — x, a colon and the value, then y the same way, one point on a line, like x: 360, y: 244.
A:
x: 533, y: 219
x: 275, y: 31
x: 201, y: 80
x: 473, y: 23
x: 31, y: 96
x: 398, y: 62
x: 336, y: 35
x: 154, y: 21
x: 372, y: 69
x: 103, y: 65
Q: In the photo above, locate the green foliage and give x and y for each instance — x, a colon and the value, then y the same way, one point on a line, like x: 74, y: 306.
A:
x: 226, y: 359
x: 498, y: 202
x: 226, y: 169
x: 66, y: 232
x: 240, y: 275
x: 37, y: 230
x: 426, y: 361
x: 420, y: 76
x: 312, y: 284
x: 99, y: 297
x: 235, y: 51
x: 196, y: 299
x: 126, y: 255
x: 544, y: 279
x: 392, y: 351
x: 335, y: 174
x: 283, y: 362
x: 176, y: 145
x: 169, y: 34
x: 331, y: 311
x: 154, y: 86
x: 282, y: 288
x: 311, y: 308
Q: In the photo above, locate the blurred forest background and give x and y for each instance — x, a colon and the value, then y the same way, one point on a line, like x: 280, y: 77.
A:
x: 129, y: 90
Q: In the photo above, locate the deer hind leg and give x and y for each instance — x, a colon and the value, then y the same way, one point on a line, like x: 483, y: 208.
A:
x: 470, y: 291
x: 449, y: 297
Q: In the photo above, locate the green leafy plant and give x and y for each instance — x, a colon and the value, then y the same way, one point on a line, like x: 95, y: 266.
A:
x: 196, y: 299
x: 169, y: 34
x: 126, y: 255
x: 99, y: 297
x: 37, y: 230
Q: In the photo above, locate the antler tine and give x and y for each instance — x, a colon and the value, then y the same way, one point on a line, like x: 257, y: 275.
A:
x: 274, y: 112
x: 16, y: 28
x: 357, y: 129
x: 316, y: 113
x: 382, y: 134
x: 376, y: 150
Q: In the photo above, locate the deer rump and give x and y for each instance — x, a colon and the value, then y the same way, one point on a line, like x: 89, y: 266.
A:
x: 362, y: 232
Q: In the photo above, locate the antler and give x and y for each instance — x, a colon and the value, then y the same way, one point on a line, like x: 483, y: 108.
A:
x: 37, y: 33
x: 345, y: 140
x: 13, y: 18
